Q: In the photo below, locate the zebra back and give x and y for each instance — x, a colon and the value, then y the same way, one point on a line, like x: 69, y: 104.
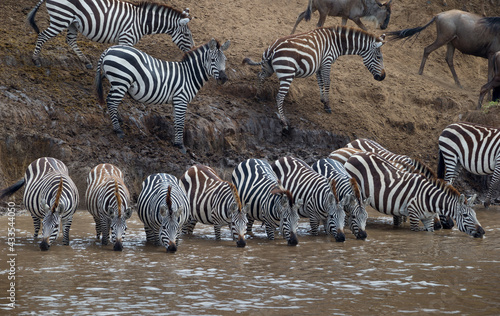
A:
x: 343, y: 154
x: 163, y: 207
x: 400, y: 193
x: 348, y: 193
x: 320, y: 201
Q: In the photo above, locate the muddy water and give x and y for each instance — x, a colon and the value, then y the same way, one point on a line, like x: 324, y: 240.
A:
x: 393, y: 271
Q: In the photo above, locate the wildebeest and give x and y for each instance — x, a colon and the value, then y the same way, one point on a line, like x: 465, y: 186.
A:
x: 470, y: 33
x: 493, y: 83
x: 348, y: 9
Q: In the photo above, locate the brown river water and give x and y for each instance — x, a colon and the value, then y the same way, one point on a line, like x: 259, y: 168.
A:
x: 393, y: 271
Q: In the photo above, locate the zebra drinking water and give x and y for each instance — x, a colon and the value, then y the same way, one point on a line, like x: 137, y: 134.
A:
x: 348, y: 193
x: 396, y: 192
x: 314, y: 52
x: 153, y: 81
x: 474, y: 147
x: 50, y: 196
x: 108, y: 202
x: 110, y: 21
x: 163, y: 207
x: 259, y: 189
x: 214, y: 202
x: 321, y: 203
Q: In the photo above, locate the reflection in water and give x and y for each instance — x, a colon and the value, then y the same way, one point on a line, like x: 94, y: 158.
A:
x: 393, y: 271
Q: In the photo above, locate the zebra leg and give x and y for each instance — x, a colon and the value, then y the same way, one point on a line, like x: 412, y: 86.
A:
x: 36, y: 223
x: 270, y: 231
x: 66, y: 226
x: 97, y: 227
x: 217, y: 232
x: 283, y: 90
x: 115, y: 96
x: 397, y: 221
x: 105, y: 225
x: 428, y: 223
x: 151, y: 236
x: 50, y: 32
x: 188, y: 227
x: 71, y: 40
x: 414, y: 220
x: 494, y: 184
x: 314, y: 222
x: 180, y: 107
x: 250, y: 226
x: 323, y: 76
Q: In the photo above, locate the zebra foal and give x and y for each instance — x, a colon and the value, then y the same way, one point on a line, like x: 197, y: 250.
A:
x: 50, y: 196
x: 474, y: 147
x: 321, y: 203
x: 110, y: 21
x: 154, y: 81
x: 399, y: 193
x: 108, y: 202
x: 214, y: 202
x: 163, y: 207
x: 267, y: 200
x: 302, y: 55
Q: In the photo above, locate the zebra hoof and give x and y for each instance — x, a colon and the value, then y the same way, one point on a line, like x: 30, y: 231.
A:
x: 181, y: 147
x: 89, y: 66
x: 487, y: 204
x: 286, y: 131
x: 327, y: 109
x: 36, y: 62
x: 120, y: 134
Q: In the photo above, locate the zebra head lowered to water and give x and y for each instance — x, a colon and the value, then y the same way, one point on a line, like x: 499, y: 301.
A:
x: 111, y: 21
x: 50, y: 196
x: 163, y: 207
x: 314, y: 52
x: 108, y: 202
x: 260, y: 189
x: 154, y: 81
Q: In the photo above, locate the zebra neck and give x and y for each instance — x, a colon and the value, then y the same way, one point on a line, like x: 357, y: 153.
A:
x: 193, y: 63
x: 352, y: 41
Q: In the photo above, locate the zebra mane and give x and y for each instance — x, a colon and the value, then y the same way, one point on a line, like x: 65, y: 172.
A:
x: 187, y: 55
x: 168, y: 198
x: 334, y: 189
x: 345, y: 29
x: 280, y: 190
x: 355, y: 188
x: 235, y: 194
x: 118, y: 199
x: 58, y: 195
x: 421, y: 167
x: 148, y: 4
x: 445, y: 186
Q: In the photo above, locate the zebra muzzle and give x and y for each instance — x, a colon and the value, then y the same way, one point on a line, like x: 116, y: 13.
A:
x: 44, y: 245
x: 118, y: 246
x: 222, y: 77
x: 293, y: 241
x: 361, y: 235
x: 340, y: 236
x: 241, y: 242
x: 172, y: 247
x: 479, y: 232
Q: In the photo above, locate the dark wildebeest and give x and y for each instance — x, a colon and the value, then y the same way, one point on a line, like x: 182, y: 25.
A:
x: 348, y: 9
x: 470, y: 33
x: 493, y: 83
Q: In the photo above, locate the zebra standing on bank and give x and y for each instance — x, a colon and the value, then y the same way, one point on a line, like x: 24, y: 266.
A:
x: 321, y: 203
x: 214, y: 202
x: 110, y: 21
x: 108, y: 202
x: 348, y: 193
x: 302, y: 55
x: 50, y: 196
x: 267, y: 200
x: 474, y: 147
x: 163, y: 207
x: 153, y: 81
x: 397, y: 192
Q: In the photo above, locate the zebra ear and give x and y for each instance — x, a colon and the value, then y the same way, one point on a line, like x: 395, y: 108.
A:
x: 184, y: 21
x: 179, y: 211
x: 379, y: 44
x: 128, y: 213
x: 233, y: 208
x: 45, y: 206
x: 367, y: 201
x: 472, y: 200
x: 212, y: 44
x: 462, y: 199
x: 225, y: 45
x: 299, y: 203
x: 163, y: 210
x: 109, y: 213
x: 284, y: 200
x: 60, y: 207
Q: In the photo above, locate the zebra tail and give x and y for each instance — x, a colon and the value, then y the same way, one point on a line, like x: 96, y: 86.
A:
x: 252, y: 63
x: 98, y: 81
x: 441, y: 166
x: 308, y: 14
x: 397, y: 35
x: 12, y: 189
x: 31, y: 17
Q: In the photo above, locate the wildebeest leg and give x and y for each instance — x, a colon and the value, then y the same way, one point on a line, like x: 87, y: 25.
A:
x: 494, y: 184
x: 359, y: 23
x: 323, y: 76
x: 449, y: 59
x: 344, y: 21
x: 71, y: 40
x: 299, y: 19
x: 322, y: 18
x: 429, y: 49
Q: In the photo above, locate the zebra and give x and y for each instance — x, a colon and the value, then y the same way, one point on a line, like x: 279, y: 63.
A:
x: 474, y: 147
x: 343, y: 154
x: 110, y: 21
x: 163, y: 207
x: 397, y: 192
x: 302, y: 55
x: 319, y: 194
x: 153, y: 81
x: 108, y: 202
x: 50, y: 196
x: 348, y: 193
x: 267, y: 200
x: 213, y: 202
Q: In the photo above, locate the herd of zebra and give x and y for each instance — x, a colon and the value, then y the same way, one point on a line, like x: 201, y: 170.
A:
x: 334, y: 191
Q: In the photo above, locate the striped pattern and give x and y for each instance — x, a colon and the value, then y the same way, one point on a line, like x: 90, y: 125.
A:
x: 110, y: 21
x: 108, y: 201
x: 343, y: 154
x: 399, y: 193
x: 153, y: 81
x: 321, y: 203
x: 267, y: 200
x: 474, y: 147
x: 348, y: 193
x: 303, y: 55
x: 214, y: 202
x: 163, y: 207
x: 50, y: 196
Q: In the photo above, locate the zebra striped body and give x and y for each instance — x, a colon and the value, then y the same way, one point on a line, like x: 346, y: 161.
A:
x: 213, y: 202
x: 303, y: 55
x: 153, y: 81
x: 348, y: 194
x: 343, y: 154
x: 259, y: 189
x: 50, y: 196
x: 163, y: 207
x: 108, y: 201
x: 474, y: 147
x: 396, y: 192
x: 110, y: 21
x: 321, y: 203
